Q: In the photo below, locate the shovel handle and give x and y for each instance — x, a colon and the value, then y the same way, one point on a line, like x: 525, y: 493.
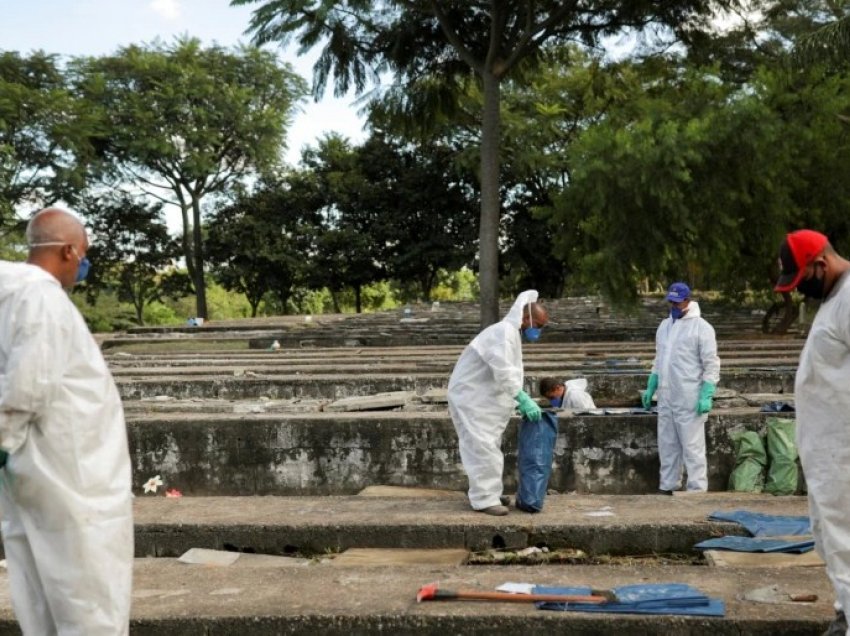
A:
x: 475, y: 595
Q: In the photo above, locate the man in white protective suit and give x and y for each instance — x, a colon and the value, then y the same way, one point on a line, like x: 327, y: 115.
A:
x: 65, y: 489
x: 485, y: 387
x: 685, y: 374
x: 822, y: 400
x: 569, y: 394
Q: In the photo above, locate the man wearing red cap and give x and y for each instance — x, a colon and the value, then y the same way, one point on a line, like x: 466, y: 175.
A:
x: 810, y: 265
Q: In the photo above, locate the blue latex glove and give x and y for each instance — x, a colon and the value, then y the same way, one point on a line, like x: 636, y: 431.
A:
x: 651, y: 388
x: 706, y: 392
x: 527, y: 407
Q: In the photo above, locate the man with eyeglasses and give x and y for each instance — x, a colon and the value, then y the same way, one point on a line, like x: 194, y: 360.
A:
x: 65, y: 488
x: 685, y: 374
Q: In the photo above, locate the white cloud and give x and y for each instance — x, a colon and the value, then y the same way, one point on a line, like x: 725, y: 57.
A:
x: 168, y: 9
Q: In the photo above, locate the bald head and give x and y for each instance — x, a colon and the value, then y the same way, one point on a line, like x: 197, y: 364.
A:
x: 538, y: 313
x: 53, y: 225
x: 58, y: 244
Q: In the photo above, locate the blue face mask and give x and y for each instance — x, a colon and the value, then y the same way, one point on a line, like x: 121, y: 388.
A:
x: 82, y: 268
x: 676, y: 312
x: 556, y: 401
x: 531, y: 334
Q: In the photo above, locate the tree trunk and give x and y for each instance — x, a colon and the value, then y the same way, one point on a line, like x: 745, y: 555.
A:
x: 187, y: 235
x: 335, y: 301
x: 197, y: 244
x: 357, y: 299
x: 488, y: 260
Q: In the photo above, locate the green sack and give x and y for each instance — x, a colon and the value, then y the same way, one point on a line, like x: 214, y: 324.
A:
x: 750, y: 462
x: 782, y: 449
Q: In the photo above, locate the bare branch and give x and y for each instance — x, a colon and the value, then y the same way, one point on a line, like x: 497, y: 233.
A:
x: 453, y: 38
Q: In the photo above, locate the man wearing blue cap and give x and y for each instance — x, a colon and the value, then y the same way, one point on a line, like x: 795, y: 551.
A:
x: 685, y: 373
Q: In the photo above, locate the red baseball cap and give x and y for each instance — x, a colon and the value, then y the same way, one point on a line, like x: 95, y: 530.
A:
x: 797, y: 251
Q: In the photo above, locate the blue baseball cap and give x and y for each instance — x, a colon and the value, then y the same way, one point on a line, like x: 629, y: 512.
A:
x: 678, y: 292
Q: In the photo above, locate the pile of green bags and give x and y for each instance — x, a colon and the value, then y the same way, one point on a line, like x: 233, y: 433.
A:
x: 751, y: 460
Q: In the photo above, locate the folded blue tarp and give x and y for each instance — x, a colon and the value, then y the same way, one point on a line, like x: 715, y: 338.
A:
x: 644, y: 598
x: 777, y: 407
x: 756, y: 544
x: 763, y: 525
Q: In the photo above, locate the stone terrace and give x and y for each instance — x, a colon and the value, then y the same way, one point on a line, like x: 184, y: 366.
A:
x: 340, y: 441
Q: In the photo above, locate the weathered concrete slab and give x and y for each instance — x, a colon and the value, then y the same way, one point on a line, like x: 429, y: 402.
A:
x: 175, y: 599
x: 323, y: 453
x: 415, y: 493
x: 223, y: 558
x: 608, y: 387
x: 377, y: 402
x: 400, y: 556
x: 727, y: 559
x: 636, y: 525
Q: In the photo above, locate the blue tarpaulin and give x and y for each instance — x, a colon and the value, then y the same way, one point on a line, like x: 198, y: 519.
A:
x: 644, y: 598
x: 756, y: 544
x: 763, y: 525
x: 535, y: 449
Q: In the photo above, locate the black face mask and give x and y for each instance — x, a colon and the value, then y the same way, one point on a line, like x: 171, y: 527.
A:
x: 812, y: 287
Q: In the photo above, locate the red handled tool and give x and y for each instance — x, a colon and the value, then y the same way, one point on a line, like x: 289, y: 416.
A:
x: 433, y: 593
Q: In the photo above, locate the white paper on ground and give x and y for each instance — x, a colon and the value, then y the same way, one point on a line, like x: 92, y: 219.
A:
x: 516, y: 588
x: 204, y: 556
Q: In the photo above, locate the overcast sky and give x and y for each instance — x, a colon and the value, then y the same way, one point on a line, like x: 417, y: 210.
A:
x: 96, y: 27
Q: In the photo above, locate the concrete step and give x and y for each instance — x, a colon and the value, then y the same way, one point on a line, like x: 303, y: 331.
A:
x: 598, y: 524
x: 610, y: 385
x: 340, y: 453
x: 178, y: 599
x: 563, y: 367
x: 600, y: 349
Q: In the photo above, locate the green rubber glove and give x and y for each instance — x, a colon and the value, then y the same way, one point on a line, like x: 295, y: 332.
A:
x: 706, y: 392
x: 651, y: 387
x: 527, y: 407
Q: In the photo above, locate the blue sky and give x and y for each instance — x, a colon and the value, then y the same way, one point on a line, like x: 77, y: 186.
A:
x: 96, y: 27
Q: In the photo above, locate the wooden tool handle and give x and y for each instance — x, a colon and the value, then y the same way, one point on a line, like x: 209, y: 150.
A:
x: 526, y: 598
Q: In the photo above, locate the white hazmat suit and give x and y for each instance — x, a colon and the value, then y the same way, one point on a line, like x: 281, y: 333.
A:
x: 685, y: 357
x: 487, y: 377
x: 65, y: 494
x: 576, y: 397
x: 822, y: 400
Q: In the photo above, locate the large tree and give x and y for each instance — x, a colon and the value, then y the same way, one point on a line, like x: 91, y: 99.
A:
x: 445, y: 40
x: 424, y: 217
x: 43, y: 133
x: 690, y: 177
x: 261, y: 242
x: 131, y: 250
x: 182, y: 122
x: 349, y: 250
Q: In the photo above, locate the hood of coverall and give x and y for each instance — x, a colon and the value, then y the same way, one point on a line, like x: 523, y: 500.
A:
x: 514, y: 316
x: 693, y: 311
x: 577, y: 384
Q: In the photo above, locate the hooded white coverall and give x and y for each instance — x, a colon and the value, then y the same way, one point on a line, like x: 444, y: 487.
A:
x: 576, y: 396
x: 822, y: 400
x: 485, y: 380
x: 65, y: 492
x: 685, y: 357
